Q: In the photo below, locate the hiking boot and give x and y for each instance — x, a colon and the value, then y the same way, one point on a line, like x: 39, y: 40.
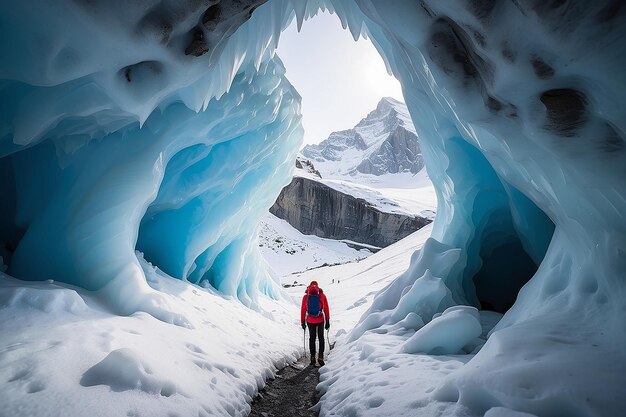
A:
x: 320, y: 360
x: 312, y: 361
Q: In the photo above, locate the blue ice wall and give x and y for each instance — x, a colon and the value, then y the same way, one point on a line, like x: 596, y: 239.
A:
x: 517, y: 131
x: 513, y: 126
x: 115, y: 139
x: 519, y: 109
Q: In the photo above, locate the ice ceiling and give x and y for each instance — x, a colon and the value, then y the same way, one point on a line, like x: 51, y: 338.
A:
x: 168, y: 127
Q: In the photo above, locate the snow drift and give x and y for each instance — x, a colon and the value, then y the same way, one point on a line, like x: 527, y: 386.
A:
x: 112, y: 138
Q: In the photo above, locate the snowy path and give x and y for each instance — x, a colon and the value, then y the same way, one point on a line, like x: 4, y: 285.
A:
x: 291, y: 393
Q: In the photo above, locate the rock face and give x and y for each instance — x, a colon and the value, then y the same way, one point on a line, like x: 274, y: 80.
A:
x: 315, y: 208
x: 383, y: 142
x: 400, y: 152
x: 307, y: 166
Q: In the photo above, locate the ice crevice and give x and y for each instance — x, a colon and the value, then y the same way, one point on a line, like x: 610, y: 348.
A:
x: 169, y: 128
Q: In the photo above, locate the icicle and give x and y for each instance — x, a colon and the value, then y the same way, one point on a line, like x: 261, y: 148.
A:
x: 299, y: 7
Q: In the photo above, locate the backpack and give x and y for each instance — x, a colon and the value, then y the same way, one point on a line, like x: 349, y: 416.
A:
x: 314, y: 306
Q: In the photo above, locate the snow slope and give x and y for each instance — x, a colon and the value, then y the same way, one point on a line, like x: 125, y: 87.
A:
x: 356, y: 283
x: 288, y: 251
x: 394, y: 193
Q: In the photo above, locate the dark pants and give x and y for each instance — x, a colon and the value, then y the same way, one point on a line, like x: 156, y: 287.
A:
x: 316, y: 330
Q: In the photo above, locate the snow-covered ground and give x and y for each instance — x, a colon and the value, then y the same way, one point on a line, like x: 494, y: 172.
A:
x: 402, y: 193
x: 287, y: 250
x: 62, y: 354
x: 355, y: 284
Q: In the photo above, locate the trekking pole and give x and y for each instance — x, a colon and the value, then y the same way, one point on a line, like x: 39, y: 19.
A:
x: 304, y: 341
x: 330, y: 347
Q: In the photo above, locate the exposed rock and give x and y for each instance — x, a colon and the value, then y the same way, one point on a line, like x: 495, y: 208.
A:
x: 566, y: 110
x: 399, y: 152
x: 307, y: 166
x: 199, y: 26
x: 383, y: 142
x: 315, y: 208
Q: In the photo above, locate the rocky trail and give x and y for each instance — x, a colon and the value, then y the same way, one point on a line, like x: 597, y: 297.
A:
x: 291, y: 394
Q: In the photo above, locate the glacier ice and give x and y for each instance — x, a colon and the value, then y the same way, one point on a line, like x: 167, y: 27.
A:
x: 168, y: 127
x: 139, y: 148
x: 523, y: 138
x: 447, y: 333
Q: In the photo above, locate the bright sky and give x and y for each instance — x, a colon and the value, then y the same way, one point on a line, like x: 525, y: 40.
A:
x: 340, y: 80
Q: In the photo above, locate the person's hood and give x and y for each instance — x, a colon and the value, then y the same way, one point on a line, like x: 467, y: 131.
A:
x: 308, y: 287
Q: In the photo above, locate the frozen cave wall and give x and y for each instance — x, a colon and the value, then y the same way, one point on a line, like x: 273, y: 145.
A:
x: 115, y: 121
x: 519, y: 131
x: 518, y: 106
x: 141, y: 127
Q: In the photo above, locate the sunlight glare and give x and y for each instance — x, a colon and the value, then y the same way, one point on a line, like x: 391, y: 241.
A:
x: 340, y: 80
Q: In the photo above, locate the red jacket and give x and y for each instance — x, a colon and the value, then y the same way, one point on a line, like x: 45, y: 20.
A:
x: 323, y: 302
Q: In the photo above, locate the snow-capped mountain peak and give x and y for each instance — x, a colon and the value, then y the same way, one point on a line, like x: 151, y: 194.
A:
x: 383, y: 142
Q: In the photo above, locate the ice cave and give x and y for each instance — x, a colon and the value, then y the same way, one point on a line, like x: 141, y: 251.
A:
x: 142, y: 140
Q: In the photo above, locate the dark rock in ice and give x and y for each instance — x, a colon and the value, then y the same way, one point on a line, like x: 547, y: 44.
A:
x: 493, y: 104
x: 157, y: 24
x: 144, y: 69
x: 452, y: 50
x: 508, y: 53
x: 611, y: 11
x: 198, y: 45
x: 211, y: 16
x: 566, y: 110
x: 612, y: 142
x: 482, y: 9
x: 541, y: 68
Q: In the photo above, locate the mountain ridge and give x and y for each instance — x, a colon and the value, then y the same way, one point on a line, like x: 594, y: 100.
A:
x: 383, y: 142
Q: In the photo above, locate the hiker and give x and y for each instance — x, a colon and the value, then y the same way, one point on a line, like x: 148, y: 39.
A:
x: 316, y: 315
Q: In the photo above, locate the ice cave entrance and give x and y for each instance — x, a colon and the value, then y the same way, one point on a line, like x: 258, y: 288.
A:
x: 505, y: 267
x: 512, y: 234
x: 508, y: 234
x: 510, y: 247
